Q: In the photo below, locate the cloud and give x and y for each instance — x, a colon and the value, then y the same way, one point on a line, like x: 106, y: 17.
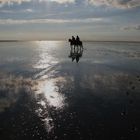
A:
x: 136, y: 27
x: 7, y: 11
x: 43, y: 21
x: 11, y: 2
x: 123, y: 4
x: 2, y: 2
x: 64, y: 1
x: 14, y: 12
x: 60, y: 1
x: 28, y: 10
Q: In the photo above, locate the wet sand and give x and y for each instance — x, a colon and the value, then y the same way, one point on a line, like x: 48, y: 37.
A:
x: 44, y: 95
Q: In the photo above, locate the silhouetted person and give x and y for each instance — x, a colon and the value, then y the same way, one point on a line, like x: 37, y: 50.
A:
x: 73, y: 39
x: 76, y: 43
x: 77, y: 38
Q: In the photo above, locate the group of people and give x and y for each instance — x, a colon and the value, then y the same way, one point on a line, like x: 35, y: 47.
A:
x: 76, y: 48
x: 75, y: 40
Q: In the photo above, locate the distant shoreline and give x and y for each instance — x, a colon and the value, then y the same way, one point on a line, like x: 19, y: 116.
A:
x: 10, y: 40
x: 112, y: 41
x: 65, y: 40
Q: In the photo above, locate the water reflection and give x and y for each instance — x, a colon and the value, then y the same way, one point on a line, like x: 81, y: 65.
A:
x: 48, y: 95
x: 49, y: 99
x: 47, y: 58
x: 76, y: 53
x: 45, y: 54
x: 102, y: 94
x: 51, y: 93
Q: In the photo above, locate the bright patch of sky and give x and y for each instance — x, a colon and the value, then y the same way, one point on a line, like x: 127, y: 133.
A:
x: 60, y: 19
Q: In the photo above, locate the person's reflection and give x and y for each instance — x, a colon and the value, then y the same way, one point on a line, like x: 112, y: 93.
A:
x: 76, y: 53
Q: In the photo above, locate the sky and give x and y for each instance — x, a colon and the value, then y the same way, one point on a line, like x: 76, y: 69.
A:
x: 102, y: 20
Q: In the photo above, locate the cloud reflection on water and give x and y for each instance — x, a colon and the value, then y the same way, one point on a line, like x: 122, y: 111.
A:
x: 64, y: 88
x: 11, y: 89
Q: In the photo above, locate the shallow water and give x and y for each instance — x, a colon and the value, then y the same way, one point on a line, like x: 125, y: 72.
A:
x: 46, y: 95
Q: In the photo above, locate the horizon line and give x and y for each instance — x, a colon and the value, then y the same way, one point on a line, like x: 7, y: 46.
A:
x: 22, y: 40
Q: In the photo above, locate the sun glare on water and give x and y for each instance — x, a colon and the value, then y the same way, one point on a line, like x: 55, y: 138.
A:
x: 51, y: 93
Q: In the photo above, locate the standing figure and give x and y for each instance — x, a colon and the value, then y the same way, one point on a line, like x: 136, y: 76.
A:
x: 77, y: 41
x: 77, y: 38
x: 73, y: 41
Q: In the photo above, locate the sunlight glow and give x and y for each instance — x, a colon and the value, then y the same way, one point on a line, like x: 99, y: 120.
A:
x: 46, y: 60
x: 52, y: 95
